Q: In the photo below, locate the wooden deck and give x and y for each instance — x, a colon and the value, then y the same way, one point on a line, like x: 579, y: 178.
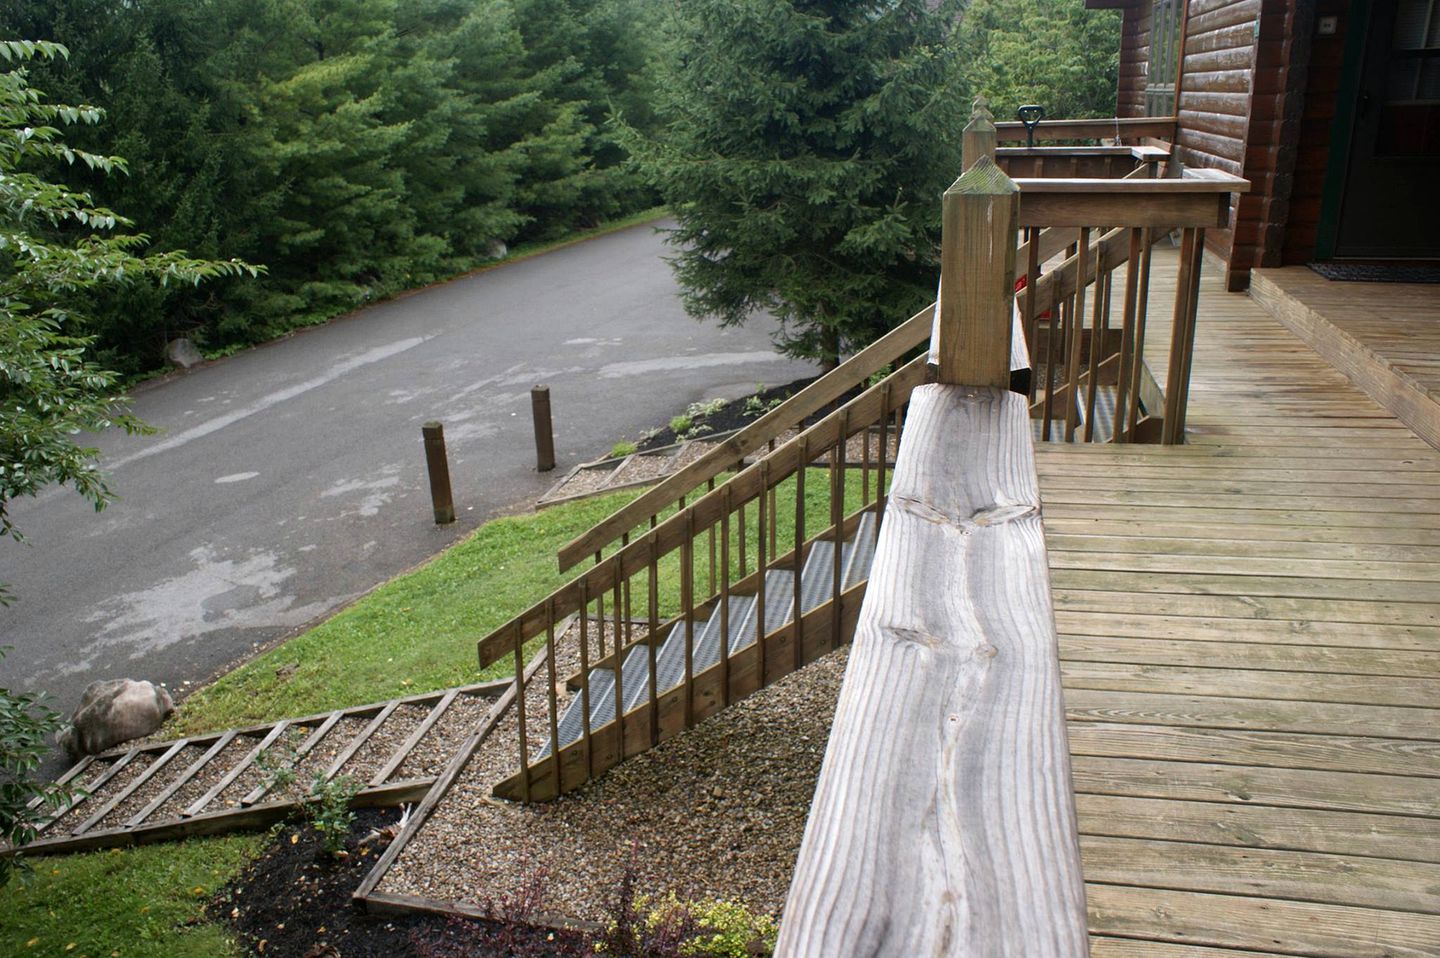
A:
x: 1384, y: 336
x: 1250, y: 641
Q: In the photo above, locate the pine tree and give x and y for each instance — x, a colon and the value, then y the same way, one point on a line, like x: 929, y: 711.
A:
x: 806, y: 146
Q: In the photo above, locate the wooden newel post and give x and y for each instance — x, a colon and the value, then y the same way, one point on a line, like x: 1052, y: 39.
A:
x: 544, y: 430
x: 438, y: 466
x: 979, y: 137
x: 977, y: 277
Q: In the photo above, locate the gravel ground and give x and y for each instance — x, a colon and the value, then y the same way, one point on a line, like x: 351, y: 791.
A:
x: 158, y: 782
x: 584, y: 481
x: 213, y: 771
x: 387, y: 738
x: 717, y: 812
x: 644, y: 469
x: 433, y: 752
x: 115, y: 786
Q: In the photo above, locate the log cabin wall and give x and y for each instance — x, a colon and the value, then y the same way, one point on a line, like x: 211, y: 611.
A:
x: 1242, y: 108
x: 1134, y: 59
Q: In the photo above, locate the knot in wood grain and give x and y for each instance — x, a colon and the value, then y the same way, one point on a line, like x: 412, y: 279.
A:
x: 994, y: 515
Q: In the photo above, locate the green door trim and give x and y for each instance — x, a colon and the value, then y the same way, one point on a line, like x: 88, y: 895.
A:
x: 1337, y: 166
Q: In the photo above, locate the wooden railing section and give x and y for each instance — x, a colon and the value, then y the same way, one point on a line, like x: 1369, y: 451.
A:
x: 755, y: 437
x: 944, y: 821
x: 724, y: 543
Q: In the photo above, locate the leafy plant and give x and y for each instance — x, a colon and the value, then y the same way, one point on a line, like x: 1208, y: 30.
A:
x: 26, y: 726
x: 636, y: 930
x: 509, y: 931
x: 622, y: 448
x: 680, y: 424
x: 879, y: 375
x: 329, y: 812
x: 59, y: 251
x: 277, y: 762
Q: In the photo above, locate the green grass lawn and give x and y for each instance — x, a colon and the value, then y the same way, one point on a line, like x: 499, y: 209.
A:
x: 415, y: 633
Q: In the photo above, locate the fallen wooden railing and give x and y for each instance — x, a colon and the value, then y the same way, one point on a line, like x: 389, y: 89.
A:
x: 944, y: 821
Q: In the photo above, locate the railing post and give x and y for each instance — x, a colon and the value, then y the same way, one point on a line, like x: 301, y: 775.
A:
x: 977, y: 277
x: 979, y: 137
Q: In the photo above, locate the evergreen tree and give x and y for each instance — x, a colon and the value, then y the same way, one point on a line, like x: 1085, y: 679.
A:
x: 1052, y: 52
x: 806, y: 148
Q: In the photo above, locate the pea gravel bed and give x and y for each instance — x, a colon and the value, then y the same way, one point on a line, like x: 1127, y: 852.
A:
x: 717, y: 812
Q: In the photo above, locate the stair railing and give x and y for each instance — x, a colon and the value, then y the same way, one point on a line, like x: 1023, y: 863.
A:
x: 762, y: 434
x: 726, y: 545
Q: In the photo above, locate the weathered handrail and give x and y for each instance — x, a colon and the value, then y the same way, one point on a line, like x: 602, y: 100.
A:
x: 944, y: 821
x: 885, y: 351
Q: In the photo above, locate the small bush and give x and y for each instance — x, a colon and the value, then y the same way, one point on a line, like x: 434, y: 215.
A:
x: 680, y: 425
x: 622, y: 448
x: 328, y: 810
x: 26, y: 726
x: 673, y: 928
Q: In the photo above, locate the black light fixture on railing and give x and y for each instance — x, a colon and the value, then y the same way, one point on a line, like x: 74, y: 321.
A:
x: 1031, y: 114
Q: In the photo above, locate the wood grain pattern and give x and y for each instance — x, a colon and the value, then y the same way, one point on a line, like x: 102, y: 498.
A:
x: 1250, y: 645
x: 943, y: 820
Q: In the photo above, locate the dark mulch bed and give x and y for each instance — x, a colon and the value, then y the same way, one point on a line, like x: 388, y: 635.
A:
x: 294, y: 902
x: 731, y: 416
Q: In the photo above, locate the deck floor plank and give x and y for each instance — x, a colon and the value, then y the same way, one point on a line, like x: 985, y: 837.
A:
x: 1250, y: 643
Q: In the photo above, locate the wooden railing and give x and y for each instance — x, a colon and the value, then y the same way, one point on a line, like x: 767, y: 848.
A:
x: 722, y: 545
x: 943, y: 822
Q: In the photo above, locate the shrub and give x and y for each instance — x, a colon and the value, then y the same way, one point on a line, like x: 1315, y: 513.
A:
x: 26, y: 726
x: 680, y: 425
x: 328, y: 810
x: 622, y: 448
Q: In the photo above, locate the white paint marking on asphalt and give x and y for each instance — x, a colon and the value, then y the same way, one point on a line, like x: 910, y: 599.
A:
x: 236, y: 477
x: 378, y: 354
x: 640, y: 367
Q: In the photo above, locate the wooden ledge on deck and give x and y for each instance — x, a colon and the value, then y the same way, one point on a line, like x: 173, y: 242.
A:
x: 944, y: 821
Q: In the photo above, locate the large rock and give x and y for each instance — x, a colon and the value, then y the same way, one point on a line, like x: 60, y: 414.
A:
x: 181, y: 352
x: 115, y: 711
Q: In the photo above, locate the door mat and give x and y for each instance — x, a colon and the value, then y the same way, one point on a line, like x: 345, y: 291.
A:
x: 1377, y: 273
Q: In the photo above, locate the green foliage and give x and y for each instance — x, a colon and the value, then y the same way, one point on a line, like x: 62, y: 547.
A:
x: 1052, y: 52
x: 328, y: 810
x: 355, y: 147
x: 729, y: 930
x: 805, y: 147
x: 680, y: 425
x: 26, y: 729
x: 622, y: 448
x: 60, y: 252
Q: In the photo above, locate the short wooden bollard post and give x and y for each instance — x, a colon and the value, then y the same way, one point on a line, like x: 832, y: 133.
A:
x: 544, y: 430
x: 439, y: 468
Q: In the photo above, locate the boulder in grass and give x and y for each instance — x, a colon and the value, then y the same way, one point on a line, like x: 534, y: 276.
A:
x: 114, y: 711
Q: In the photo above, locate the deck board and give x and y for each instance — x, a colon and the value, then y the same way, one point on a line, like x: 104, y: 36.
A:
x: 1250, y: 642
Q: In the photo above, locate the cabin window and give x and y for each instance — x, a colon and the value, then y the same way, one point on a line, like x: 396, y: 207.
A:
x: 1165, y: 21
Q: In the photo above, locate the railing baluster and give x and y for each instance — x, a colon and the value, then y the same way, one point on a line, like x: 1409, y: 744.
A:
x: 761, y: 569
x: 725, y: 497
x: 551, y: 695
x: 585, y: 680
x: 710, y: 487
x: 1032, y: 279
x: 1182, y: 333
x: 600, y: 616
x: 520, y: 713
x: 687, y: 601
x: 796, y: 602
x: 1125, y: 389
x: 619, y: 663
x: 1099, y: 323
x: 651, y: 641
x: 865, y: 466
x: 1142, y: 306
x: 1077, y: 323
x: 884, y: 454
x: 740, y: 535
x: 628, y: 617
x: 837, y: 519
